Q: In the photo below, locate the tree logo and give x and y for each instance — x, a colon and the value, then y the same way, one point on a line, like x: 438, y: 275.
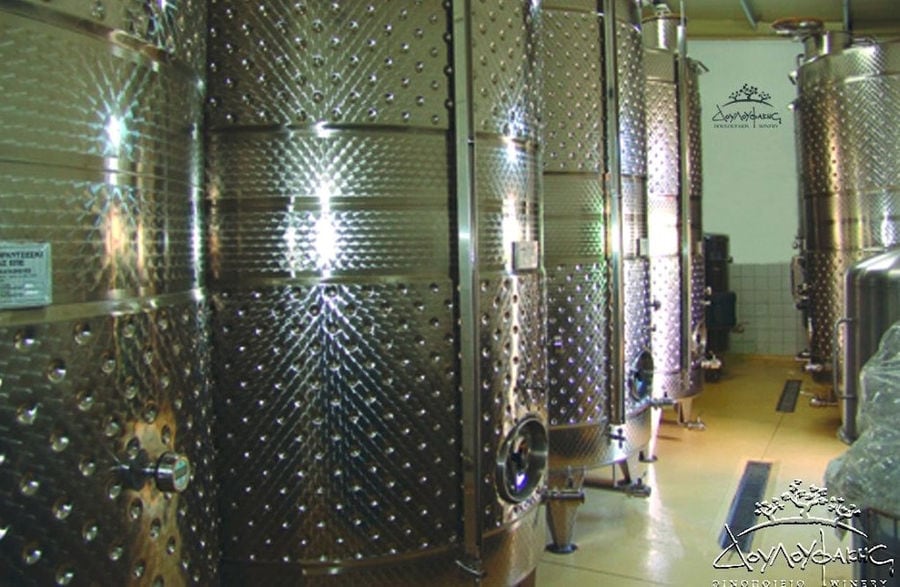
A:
x: 747, y: 107
x: 748, y: 93
x: 811, y: 506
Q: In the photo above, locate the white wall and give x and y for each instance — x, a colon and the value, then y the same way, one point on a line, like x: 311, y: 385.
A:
x: 749, y: 168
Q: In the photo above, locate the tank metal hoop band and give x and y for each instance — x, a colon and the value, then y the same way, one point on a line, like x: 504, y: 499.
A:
x: 124, y: 306
x: 119, y: 41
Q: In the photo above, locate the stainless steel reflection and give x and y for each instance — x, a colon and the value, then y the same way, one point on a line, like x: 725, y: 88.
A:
x: 598, y: 273
x: 379, y: 291
x: 575, y: 237
x: 578, y: 232
x: 872, y: 289
x: 627, y: 250
x: 674, y: 204
x: 105, y: 427
x: 847, y: 111
x: 661, y: 30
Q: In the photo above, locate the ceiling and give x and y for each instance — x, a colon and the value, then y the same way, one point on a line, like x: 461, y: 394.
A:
x: 753, y: 18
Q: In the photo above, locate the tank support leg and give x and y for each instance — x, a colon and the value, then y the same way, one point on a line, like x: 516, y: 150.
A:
x: 632, y: 486
x: 684, y: 411
x: 562, y: 501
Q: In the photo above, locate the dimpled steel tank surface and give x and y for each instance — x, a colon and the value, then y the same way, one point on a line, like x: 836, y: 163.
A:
x: 598, y: 276
x: 631, y: 364
x: 674, y: 206
x: 847, y: 113
x: 378, y: 291
x: 106, y: 456
x: 575, y: 226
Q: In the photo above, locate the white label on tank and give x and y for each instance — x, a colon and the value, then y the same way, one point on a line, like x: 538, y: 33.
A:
x: 26, y: 280
x: 526, y: 255
x: 644, y: 247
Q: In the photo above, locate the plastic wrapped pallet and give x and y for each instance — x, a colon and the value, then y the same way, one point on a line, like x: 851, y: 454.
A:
x: 868, y: 474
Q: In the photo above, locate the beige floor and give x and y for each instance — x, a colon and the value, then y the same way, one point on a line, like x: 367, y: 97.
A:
x: 671, y: 538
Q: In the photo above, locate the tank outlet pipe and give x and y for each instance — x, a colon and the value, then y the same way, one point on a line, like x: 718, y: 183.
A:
x: 684, y: 139
x: 467, y: 257
x: 799, y: 287
x: 814, y: 367
x: 662, y: 402
x: 711, y: 363
x: 832, y: 398
x: 848, y: 16
x: 848, y: 393
x: 615, y: 228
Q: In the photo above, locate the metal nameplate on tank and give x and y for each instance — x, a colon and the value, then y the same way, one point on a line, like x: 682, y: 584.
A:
x: 26, y: 280
x: 526, y: 255
x: 643, y: 247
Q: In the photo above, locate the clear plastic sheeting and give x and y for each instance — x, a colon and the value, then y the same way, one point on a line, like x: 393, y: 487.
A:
x: 868, y: 474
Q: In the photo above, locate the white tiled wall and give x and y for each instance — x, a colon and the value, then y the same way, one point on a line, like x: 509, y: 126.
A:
x: 768, y: 321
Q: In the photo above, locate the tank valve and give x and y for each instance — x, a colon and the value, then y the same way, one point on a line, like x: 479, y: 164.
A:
x: 662, y: 402
x: 172, y: 472
x: 711, y: 362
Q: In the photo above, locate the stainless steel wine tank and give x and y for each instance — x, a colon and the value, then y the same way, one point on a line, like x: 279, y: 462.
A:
x: 598, y: 272
x: 674, y: 203
x: 846, y: 112
x: 379, y: 291
x: 106, y: 454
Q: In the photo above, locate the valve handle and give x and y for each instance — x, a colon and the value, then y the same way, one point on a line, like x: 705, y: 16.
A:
x: 173, y: 472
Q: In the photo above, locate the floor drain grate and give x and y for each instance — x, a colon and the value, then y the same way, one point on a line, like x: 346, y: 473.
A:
x: 788, y: 400
x: 742, y: 512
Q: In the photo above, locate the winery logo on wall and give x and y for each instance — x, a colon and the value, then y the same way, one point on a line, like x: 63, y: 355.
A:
x: 810, y: 511
x: 747, y: 107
